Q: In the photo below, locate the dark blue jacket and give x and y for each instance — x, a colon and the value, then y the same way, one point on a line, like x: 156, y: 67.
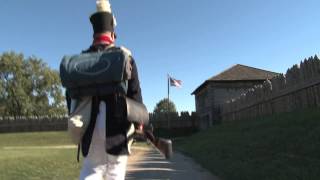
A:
x: 116, y: 128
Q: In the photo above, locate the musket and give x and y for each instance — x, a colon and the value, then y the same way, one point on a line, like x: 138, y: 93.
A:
x: 137, y: 113
x: 164, y: 146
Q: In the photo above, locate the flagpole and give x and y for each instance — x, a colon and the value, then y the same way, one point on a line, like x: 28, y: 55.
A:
x: 168, y: 77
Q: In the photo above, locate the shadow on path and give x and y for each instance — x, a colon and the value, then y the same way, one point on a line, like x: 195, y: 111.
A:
x: 147, y: 163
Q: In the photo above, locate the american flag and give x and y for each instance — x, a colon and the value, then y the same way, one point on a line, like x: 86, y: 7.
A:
x: 175, y: 82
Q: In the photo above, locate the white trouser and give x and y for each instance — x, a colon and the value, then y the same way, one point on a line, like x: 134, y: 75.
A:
x: 99, y: 165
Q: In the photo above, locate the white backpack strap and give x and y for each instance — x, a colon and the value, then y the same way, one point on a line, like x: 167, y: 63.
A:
x: 126, y: 51
x: 128, y: 56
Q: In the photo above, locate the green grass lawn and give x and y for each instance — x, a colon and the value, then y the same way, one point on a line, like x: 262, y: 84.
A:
x: 280, y: 147
x: 39, y: 156
x: 29, y: 156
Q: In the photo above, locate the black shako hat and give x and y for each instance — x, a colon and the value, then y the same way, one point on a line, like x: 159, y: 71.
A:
x: 102, y: 22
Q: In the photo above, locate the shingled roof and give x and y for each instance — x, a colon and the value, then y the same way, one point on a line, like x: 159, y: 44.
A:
x: 239, y: 72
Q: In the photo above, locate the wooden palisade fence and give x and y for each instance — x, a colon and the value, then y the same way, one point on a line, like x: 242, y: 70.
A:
x: 299, y: 88
x: 30, y: 124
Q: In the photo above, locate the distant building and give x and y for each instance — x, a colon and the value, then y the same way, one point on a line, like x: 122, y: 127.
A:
x: 229, y: 84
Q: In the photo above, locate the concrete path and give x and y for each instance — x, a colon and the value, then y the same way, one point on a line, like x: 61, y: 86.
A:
x: 146, y: 163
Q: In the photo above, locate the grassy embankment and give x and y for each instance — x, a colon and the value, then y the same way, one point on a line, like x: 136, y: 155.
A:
x: 279, y: 147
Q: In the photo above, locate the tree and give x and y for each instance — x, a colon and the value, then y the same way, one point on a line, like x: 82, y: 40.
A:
x: 162, y: 106
x: 29, y: 87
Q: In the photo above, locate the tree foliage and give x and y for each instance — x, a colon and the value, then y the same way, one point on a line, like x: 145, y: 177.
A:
x: 29, y: 87
x: 164, y: 106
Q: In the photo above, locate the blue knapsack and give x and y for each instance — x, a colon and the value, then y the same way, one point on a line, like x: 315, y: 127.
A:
x: 96, y: 73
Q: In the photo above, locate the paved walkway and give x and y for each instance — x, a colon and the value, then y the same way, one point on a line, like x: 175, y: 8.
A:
x: 146, y: 163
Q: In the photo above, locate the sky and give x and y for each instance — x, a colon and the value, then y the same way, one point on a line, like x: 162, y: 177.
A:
x: 190, y: 40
